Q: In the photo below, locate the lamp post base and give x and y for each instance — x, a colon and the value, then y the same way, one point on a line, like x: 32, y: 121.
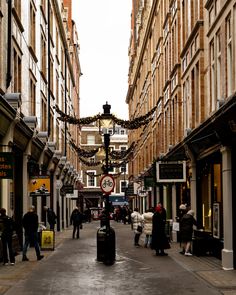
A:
x: 106, y: 245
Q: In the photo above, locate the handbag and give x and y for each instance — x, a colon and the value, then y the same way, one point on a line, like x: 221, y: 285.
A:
x: 140, y: 229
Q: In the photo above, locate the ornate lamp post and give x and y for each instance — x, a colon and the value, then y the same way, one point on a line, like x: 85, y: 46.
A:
x: 106, y: 234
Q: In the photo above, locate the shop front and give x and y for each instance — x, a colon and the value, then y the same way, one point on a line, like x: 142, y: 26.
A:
x: 209, y: 151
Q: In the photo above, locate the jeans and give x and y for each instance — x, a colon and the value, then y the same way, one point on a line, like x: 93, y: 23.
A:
x: 148, y: 240
x: 7, y: 243
x: 31, y: 238
x: 76, y: 229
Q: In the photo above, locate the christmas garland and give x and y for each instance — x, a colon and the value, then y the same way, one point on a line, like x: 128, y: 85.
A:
x: 91, y: 164
x: 128, y: 124
x: 119, y: 155
x: 83, y: 153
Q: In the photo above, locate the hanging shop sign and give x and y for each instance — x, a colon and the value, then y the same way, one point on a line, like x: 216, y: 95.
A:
x: 6, y: 165
x: 39, y: 186
x: 171, y: 171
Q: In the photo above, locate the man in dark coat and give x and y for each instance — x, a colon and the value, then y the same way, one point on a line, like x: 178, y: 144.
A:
x: 76, y: 219
x: 51, y: 217
x: 30, y: 224
x: 159, y: 239
x: 6, y: 232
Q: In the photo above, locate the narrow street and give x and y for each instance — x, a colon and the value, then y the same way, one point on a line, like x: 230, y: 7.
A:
x: 72, y: 269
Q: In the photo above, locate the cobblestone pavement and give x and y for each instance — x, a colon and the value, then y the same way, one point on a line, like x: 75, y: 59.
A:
x: 207, y: 269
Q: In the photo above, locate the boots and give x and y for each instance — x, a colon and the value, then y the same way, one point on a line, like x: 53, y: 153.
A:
x: 24, y: 258
x: 40, y: 257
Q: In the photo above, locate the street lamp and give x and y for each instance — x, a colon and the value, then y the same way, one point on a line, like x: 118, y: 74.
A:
x: 106, y: 235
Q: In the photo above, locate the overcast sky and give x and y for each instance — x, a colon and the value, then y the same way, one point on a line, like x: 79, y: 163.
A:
x: 104, y: 32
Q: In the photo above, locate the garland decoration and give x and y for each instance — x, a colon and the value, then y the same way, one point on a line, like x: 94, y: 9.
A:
x: 84, y: 153
x: 121, y: 155
x: 90, y: 164
x: 115, y: 175
x: 73, y: 120
x: 128, y: 124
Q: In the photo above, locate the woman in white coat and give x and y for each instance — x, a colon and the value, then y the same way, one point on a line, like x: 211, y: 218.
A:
x: 137, y: 219
x: 147, y: 229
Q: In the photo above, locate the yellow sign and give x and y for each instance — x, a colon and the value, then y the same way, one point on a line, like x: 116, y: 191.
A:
x: 39, y: 185
x: 48, y: 240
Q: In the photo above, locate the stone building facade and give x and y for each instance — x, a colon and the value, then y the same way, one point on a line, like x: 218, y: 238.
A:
x: 182, y: 62
x: 91, y: 192
x: 39, y: 69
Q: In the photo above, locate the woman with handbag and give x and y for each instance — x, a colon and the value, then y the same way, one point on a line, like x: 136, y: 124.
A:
x: 137, y: 220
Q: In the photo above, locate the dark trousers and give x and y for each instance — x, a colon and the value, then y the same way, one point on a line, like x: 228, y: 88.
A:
x: 76, y: 228
x: 136, y: 239
x: 7, y: 243
x: 31, y: 238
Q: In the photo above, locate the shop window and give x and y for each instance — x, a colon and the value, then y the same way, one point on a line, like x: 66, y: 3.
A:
x: 206, y: 201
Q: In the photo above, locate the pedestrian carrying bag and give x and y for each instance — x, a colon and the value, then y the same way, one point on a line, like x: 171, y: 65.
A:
x: 140, y: 229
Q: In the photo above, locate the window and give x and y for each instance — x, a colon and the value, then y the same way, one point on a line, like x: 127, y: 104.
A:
x: 218, y: 66
x: 43, y: 55
x: 57, y: 42
x: 51, y: 22
x: 229, y: 57
x: 123, y: 169
x: 17, y: 6
x: 32, y: 27
x: 51, y: 126
x: 91, y: 179
x: 16, y: 71
x: 32, y: 97
x: 51, y: 75
x: 123, y: 185
x: 90, y: 139
x: 43, y: 114
x: 43, y: 5
x: 212, y: 74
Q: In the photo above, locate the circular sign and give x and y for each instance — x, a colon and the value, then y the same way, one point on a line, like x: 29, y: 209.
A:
x: 107, y: 184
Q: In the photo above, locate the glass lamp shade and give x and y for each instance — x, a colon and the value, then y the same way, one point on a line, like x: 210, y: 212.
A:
x: 106, y: 125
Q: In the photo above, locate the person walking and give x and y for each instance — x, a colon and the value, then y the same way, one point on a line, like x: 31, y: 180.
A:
x: 137, y: 226
x: 182, y: 210
x: 147, y: 227
x: 159, y: 239
x: 76, y: 219
x: 6, y: 232
x: 186, y: 231
x: 51, y: 217
x: 30, y: 224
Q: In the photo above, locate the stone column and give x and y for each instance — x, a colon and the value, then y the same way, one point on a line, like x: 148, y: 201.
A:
x: 193, y: 188
x: 227, y: 252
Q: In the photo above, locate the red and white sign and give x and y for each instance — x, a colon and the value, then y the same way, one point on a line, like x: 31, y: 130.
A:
x: 107, y: 184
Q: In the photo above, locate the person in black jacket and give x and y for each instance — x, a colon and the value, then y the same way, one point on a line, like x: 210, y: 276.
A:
x: 30, y: 224
x: 76, y: 219
x: 159, y: 239
x: 186, y: 230
x: 6, y: 232
x: 51, y: 217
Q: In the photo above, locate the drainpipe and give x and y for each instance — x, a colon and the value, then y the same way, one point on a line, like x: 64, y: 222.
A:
x: 65, y: 150
x: 9, y: 43
x: 49, y: 73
